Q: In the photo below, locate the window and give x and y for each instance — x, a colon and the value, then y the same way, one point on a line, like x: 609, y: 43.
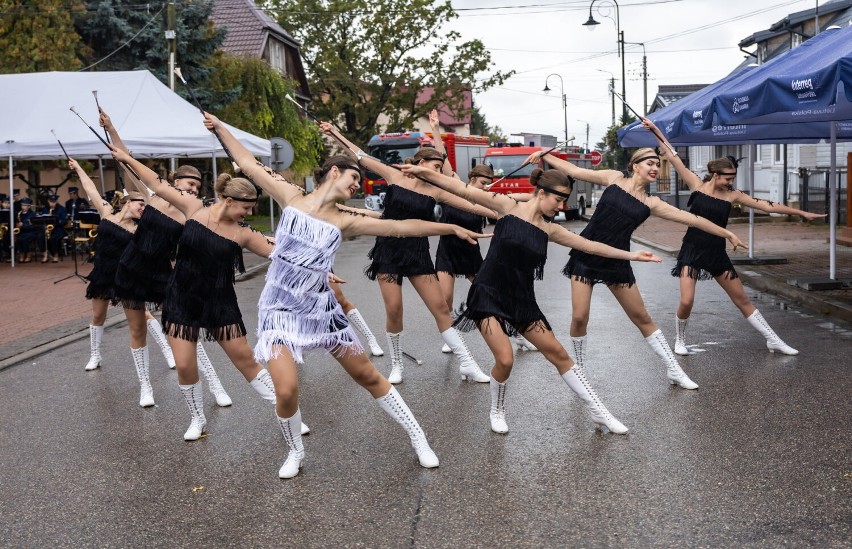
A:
x: 795, y: 40
x: 777, y: 154
x: 277, y: 56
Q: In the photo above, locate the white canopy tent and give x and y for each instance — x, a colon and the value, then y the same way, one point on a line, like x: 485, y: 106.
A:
x: 153, y: 121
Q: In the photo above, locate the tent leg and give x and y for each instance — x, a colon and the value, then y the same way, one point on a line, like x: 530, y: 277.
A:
x: 101, y: 173
x: 11, y: 210
x: 752, y: 153
x: 832, y: 211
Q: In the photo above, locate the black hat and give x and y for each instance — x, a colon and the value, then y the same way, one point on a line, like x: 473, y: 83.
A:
x: 26, y: 200
x: 53, y: 197
x: 73, y: 189
x: 16, y: 191
x: 4, y: 197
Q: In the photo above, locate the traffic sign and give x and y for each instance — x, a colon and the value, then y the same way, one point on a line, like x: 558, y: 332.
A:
x: 597, y: 158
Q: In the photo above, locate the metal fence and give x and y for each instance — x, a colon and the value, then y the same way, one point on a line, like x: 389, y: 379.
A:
x: 814, y: 192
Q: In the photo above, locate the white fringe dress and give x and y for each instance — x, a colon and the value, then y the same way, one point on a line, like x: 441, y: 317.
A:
x: 297, y: 308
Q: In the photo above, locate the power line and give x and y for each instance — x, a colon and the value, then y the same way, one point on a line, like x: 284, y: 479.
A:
x: 132, y: 38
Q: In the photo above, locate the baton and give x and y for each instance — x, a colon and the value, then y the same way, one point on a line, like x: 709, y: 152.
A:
x: 639, y: 117
x: 548, y: 151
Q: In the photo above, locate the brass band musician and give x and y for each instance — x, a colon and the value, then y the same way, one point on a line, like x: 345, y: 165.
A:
x: 28, y: 234
x: 53, y: 238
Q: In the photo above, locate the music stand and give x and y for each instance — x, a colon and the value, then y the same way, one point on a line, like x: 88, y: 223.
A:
x: 43, y: 220
x: 83, y: 216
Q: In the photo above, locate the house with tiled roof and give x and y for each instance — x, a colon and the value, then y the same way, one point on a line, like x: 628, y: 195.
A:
x: 252, y: 32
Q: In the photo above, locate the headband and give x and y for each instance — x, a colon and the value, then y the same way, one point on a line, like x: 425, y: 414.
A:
x: 189, y: 177
x: 239, y: 199
x: 725, y: 173
x: 136, y: 200
x: 553, y: 191
x: 644, y: 158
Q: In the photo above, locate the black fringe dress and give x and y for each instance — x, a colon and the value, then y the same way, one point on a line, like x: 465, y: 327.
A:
x: 394, y: 258
x: 616, y: 216
x: 110, y: 243
x: 702, y: 253
x: 456, y: 256
x: 504, y: 286
x: 146, y: 264
x: 201, y: 289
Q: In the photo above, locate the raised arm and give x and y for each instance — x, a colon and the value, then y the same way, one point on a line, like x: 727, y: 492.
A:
x: 561, y: 235
x: 104, y: 208
x: 597, y: 177
x: 435, y: 125
x: 185, y: 202
x: 106, y: 123
x: 408, y: 227
x: 389, y: 174
x: 497, y: 203
x: 273, y: 184
x: 771, y: 207
x: 667, y: 211
x: 691, y: 179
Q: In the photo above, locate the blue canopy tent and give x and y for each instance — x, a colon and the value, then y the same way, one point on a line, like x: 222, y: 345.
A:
x: 696, y: 120
x: 811, y: 83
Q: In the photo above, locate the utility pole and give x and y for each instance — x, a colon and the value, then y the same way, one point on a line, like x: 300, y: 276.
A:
x: 171, y: 40
x: 612, y: 97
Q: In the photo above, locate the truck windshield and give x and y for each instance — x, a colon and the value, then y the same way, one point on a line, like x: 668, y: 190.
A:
x: 391, y: 155
x: 504, y: 165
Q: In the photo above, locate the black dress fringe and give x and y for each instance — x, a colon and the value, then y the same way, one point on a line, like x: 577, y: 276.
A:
x: 702, y: 254
x: 455, y: 256
x: 616, y: 216
x: 110, y: 243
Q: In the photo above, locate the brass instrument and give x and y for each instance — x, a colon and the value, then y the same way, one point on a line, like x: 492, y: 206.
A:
x: 93, y: 233
x: 17, y: 230
x: 4, y: 228
x: 47, y: 230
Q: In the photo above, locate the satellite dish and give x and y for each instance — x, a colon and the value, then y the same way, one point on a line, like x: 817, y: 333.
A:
x: 282, y: 153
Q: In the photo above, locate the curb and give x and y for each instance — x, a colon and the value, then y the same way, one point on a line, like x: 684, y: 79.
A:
x: 110, y: 322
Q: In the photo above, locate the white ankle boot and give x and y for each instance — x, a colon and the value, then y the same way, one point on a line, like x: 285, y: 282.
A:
x: 290, y: 428
x: 773, y: 342
x: 676, y: 375
x: 95, y: 335
x: 680, y: 340
x: 194, y: 396
x: 396, y: 408
x: 578, y: 345
x: 140, y: 360
x: 468, y: 368
x: 497, y: 415
x: 262, y: 383
x: 358, y: 321
x: 522, y: 344
x: 213, y: 383
x: 156, y: 331
x: 576, y: 379
x: 395, y: 344
x: 446, y: 349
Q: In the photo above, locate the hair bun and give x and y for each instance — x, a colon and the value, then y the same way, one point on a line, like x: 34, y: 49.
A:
x: 535, y: 176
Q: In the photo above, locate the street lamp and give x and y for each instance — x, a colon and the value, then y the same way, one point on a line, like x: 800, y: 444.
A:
x: 586, y: 145
x: 591, y: 24
x: 564, y: 102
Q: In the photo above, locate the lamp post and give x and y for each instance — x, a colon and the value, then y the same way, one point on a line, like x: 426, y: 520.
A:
x: 591, y: 24
x: 586, y: 144
x: 564, y: 102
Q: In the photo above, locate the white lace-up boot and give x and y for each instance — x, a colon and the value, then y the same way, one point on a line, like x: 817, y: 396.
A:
x: 396, y: 408
x: 156, y: 331
x: 578, y: 345
x: 497, y: 415
x: 773, y: 342
x: 213, y: 383
x: 395, y: 344
x: 140, y: 360
x: 290, y: 428
x: 576, y: 379
x: 95, y: 335
x: 358, y: 321
x: 680, y: 340
x: 194, y: 396
x: 262, y: 383
x: 676, y: 375
x: 522, y: 344
x: 446, y: 349
x: 468, y: 368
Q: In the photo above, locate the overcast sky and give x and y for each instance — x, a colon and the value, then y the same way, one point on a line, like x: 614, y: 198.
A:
x: 687, y: 42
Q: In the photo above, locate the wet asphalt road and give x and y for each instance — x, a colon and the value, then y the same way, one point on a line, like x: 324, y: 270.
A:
x: 758, y: 457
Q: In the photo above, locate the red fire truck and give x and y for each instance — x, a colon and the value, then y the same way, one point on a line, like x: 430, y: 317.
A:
x: 463, y: 152
x: 505, y: 160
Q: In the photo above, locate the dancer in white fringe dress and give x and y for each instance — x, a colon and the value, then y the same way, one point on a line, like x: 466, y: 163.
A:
x: 297, y: 309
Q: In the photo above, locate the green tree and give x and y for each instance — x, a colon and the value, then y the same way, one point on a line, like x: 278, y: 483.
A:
x: 261, y: 106
x: 39, y: 36
x: 371, y: 58
x: 614, y: 157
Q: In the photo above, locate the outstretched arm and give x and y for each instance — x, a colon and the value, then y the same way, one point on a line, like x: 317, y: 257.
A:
x: 186, y: 203
x: 564, y: 237
x: 497, y: 203
x: 667, y: 211
x: 771, y: 207
x: 256, y: 242
x: 273, y: 184
x: 408, y: 227
x: 692, y: 180
x: 104, y: 208
x: 597, y: 177
x: 389, y: 174
x: 359, y: 211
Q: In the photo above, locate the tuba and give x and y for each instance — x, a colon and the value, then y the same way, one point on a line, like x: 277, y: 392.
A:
x: 17, y: 230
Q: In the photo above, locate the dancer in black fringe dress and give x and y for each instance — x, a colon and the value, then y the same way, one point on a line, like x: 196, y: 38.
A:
x: 702, y: 256
x: 503, y: 295
x: 200, y: 299
x: 115, y: 232
x: 394, y: 258
x: 623, y: 206
x: 146, y: 266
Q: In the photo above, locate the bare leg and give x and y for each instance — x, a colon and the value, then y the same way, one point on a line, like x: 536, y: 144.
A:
x: 242, y: 356
x: 447, y: 283
x: 581, y: 304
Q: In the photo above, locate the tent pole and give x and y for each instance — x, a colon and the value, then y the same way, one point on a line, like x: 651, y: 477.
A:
x: 832, y: 210
x: 101, y: 172
x: 215, y: 175
x: 11, y: 210
x: 752, y: 152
